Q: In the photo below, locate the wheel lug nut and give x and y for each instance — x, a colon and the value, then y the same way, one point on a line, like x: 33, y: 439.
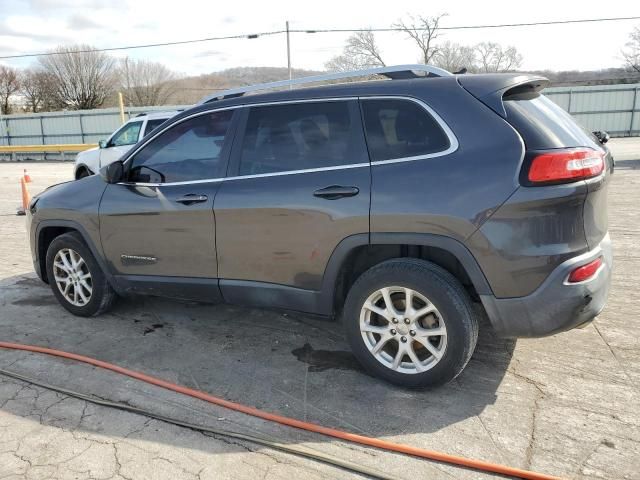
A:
x: 406, y: 320
x: 404, y: 339
x: 395, y: 320
x: 393, y: 331
x: 412, y: 333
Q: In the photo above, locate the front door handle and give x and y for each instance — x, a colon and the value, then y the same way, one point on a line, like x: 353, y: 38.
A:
x: 191, y: 198
x: 336, y: 191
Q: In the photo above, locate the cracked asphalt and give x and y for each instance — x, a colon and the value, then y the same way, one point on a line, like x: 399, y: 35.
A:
x: 567, y: 405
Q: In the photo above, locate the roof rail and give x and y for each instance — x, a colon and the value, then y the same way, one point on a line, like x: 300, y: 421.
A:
x: 393, y: 72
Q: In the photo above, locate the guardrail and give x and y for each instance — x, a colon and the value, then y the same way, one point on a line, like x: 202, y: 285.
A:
x: 13, y: 150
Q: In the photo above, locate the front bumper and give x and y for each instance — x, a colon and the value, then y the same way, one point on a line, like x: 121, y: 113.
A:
x: 31, y: 235
x: 555, y: 306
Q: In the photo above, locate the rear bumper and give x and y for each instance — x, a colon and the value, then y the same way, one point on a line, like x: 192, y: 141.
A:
x: 555, y: 306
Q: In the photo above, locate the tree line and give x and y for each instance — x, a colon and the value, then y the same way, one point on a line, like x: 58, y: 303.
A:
x: 631, y: 52
x: 363, y: 51
x: 78, y: 77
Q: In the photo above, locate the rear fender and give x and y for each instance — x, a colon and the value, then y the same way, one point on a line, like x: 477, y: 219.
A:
x: 342, y: 251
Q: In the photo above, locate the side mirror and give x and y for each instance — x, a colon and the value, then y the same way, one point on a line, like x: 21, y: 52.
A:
x: 102, y: 144
x: 602, y: 136
x: 113, y: 173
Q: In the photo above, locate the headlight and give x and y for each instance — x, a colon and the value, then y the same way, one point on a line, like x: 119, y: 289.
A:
x: 32, y: 205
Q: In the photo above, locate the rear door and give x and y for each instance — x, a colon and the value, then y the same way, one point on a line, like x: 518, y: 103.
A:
x: 157, y: 228
x: 299, y: 183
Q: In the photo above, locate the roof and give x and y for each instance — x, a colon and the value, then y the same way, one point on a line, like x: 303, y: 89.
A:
x: 486, y: 87
x: 393, y: 72
x: 351, y: 89
x: 158, y: 115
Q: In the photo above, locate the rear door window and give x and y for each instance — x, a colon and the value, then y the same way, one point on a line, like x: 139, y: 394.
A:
x: 299, y: 136
x: 398, y: 128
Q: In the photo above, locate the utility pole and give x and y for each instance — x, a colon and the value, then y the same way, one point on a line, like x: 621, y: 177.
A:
x: 121, y: 105
x: 288, y: 52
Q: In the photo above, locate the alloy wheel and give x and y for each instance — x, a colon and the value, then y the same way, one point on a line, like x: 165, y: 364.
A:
x: 403, y: 330
x: 72, y: 276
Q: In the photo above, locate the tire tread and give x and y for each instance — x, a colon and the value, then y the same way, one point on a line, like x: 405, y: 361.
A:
x: 102, y: 290
x: 437, y: 277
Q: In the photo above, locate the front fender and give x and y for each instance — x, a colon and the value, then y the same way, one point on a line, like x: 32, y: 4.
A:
x: 39, y: 254
x: 68, y: 206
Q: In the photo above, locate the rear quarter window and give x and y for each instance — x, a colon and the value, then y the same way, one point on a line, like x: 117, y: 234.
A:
x: 398, y: 128
x: 543, y: 124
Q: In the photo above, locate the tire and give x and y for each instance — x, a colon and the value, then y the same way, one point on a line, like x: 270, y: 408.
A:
x: 83, y: 172
x: 61, y: 255
x: 438, y: 301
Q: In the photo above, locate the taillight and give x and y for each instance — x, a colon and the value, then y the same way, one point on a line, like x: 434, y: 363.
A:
x: 585, y: 272
x: 560, y: 166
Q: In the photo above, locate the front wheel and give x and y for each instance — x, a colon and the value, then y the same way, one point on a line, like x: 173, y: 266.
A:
x: 411, y: 323
x: 83, y: 172
x: 76, y: 278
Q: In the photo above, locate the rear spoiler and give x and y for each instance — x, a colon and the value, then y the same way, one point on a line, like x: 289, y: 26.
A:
x: 493, y: 88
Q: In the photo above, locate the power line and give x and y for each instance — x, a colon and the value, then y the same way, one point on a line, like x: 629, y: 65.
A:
x: 470, y: 27
x: 148, y: 45
x: 321, y: 30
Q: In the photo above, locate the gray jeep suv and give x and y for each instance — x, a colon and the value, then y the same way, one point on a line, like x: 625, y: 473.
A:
x: 394, y: 205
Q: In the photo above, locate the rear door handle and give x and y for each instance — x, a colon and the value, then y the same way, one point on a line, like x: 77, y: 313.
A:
x: 191, y: 198
x: 334, y: 192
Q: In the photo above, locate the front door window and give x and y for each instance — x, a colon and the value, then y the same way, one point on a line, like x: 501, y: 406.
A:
x: 190, y: 150
x: 127, y: 135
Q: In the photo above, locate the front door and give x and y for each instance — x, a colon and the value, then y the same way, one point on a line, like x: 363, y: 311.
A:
x: 299, y: 184
x: 157, y: 228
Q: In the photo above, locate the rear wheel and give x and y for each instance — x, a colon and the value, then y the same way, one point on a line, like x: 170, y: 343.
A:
x: 76, y: 278
x: 411, y: 323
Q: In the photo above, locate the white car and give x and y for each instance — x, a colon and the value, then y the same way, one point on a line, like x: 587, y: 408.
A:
x: 90, y: 161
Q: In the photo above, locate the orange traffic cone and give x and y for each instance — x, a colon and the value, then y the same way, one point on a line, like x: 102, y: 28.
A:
x: 27, y: 178
x: 25, y: 197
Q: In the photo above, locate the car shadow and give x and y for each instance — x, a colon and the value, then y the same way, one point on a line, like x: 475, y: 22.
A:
x: 287, y: 363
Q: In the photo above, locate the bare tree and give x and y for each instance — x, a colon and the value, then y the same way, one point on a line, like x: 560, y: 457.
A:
x: 493, y: 57
x: 146, y: 83
x: 454, y: 57
x: 83, y: 77
x: 424, y: 31
x: 9, y: 85
x: 631, y: 54
x: 361, y: 51
x: 38, y: 89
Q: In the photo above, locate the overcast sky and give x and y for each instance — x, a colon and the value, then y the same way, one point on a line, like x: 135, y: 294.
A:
x: 28, y: 26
